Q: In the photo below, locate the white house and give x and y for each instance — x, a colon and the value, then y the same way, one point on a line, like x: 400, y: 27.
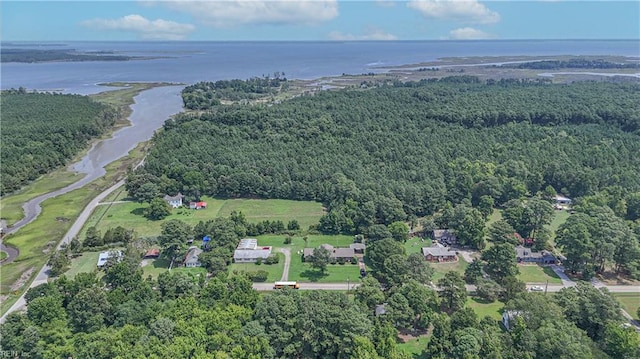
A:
x: 174, y: 201
x: 562, y: 200
x: 248, y: 251
x: 508, y: 316
x: 191, y: 259
x: 103, y: 257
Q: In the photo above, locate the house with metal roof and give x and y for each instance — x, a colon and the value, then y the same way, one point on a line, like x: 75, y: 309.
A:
x: 248, y: 251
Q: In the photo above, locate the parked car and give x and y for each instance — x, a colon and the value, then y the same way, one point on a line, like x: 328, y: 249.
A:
x: 536, y: 288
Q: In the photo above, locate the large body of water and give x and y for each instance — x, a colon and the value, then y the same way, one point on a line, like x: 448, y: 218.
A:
x: 190, y: 62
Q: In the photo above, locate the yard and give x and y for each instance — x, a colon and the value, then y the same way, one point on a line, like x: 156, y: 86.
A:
x: 415, y: 244
x: 630, y: 303
x: 154, y: 267
x: 482, y: 309
x: 86, y: 263
x: 274, y: 270
x: 130, y: 215
x: 532, y: 273
x: 442, y: 268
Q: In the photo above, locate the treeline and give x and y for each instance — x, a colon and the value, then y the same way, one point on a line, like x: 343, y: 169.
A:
x: 42, y: 131
x: 123, y: 315
x: 34, y: 55
x: 572, y: 64
x: 205, y: 95
x: 403, y: 151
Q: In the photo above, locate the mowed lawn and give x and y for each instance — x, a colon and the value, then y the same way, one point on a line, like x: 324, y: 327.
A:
x: 304, y: 272
x: 274, y: 270
x: 630, y: 303
x: 532, y: 273
x: 130, y: 215
x: 483, y: 309
x: 154, y: 267
x: 86, y: 263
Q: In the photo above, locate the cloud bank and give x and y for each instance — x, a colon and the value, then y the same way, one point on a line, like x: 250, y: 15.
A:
x: 146, y: 29
x: 468, y: 33
x: 371, y: 35
x: 229, y: 13
x: 467, y: 11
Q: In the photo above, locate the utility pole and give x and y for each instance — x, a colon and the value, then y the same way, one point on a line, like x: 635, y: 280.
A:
x: 546, y: 287
x: 348, y: 285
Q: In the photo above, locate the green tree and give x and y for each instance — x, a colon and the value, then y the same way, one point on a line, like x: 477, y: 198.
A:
x: 485, y: 206
x: 501, y: 261
x: 488, y: 290
x: 418, y: 269
x: 45, y: 310
x: 147, y: 192
x: 621, y: 341
x: 93, y: 238
x: 89, y: 310
x: 502, y: 232
x: 452, y: 292
x: 399, y: 231
x: 158, y: 209
x: 473, y: 272
x: 320, y: 258
x: 380, y: 250
x: 369, y: 293
x: 59, y: 262
x: 173, y: 238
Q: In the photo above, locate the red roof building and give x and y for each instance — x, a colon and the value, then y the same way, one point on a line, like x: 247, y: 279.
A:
x: 152, y: 253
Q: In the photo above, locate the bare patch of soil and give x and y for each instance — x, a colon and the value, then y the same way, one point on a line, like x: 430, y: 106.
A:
x: 23, y: 279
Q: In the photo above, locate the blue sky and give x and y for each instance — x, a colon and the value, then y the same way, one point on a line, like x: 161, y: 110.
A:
x: 231, y: 20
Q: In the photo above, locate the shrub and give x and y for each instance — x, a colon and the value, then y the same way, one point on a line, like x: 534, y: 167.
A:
x: 258, y: 276
x: 341, y: 260
x: 333, y: 260
x: 258, y: 261
x: 354, y: 260
x: 272, y: 259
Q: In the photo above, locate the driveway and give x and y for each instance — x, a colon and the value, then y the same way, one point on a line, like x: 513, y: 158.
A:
x: 287, y: 262
x: 559, y: 271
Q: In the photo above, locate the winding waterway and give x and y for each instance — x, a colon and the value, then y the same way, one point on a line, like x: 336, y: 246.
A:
x: 150, y: 110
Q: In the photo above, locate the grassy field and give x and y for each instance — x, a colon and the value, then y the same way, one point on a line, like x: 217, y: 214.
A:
x: 130, y: 215
x: 274, y: 270
x: 414, y: 347
x: 160, y: 265
x: 415, y: 244
x: 558, y: 219
x: 482, y: 309
x: 3, y: 255
x: 442, y: 268
x: 537, y: 274
x: 39, y: 237
x: 630, y: 303
x: 86, y: 263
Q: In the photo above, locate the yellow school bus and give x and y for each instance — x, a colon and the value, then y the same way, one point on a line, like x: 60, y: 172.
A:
x: 280, y: 285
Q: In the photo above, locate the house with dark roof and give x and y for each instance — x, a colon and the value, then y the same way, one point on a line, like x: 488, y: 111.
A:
x: 191, y: 258
x: 152, y: 253
x: 445, y: 236
x: 526, y: 255
x: 439, y: 254
x: 358, y: 248
x: 174, y: 201
x: 336, y: 252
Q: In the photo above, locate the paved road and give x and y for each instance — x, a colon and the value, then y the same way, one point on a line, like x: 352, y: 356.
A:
x: 287, y: 263
x: 43, y: 275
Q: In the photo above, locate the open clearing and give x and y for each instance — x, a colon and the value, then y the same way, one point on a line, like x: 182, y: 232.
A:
x: 482, y: 308
x: 130, y: 215
x: 274, y: 270
x: 532, y: 273
x: 86, y: 263
x: 630, y: 303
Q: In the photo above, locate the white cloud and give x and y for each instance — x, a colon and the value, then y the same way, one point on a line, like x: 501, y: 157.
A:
x: 228, y: 13
x: 468, y: 33
x: 470, y: 11
x: 147, y: 29
x: 385, y: 3
x: 370, y: 35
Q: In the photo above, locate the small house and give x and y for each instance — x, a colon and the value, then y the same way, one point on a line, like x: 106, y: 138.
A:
x: 152, y: 253
x: 345, y: 254
x: 439, y: 254
x: 445, y: 236
x: 197, y: 205
x: 174, y: 201
x: 562, y: 200
x: 191, y: 259
x: 508, y: 317
x: 104, y: 257
x: 526, y: 255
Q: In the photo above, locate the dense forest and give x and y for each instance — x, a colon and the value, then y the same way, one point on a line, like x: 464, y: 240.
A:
x: 42, y: 131
x: 405, y: 150
x: 34, y: 55
x: 119, y: 314
x: 572, y: 64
